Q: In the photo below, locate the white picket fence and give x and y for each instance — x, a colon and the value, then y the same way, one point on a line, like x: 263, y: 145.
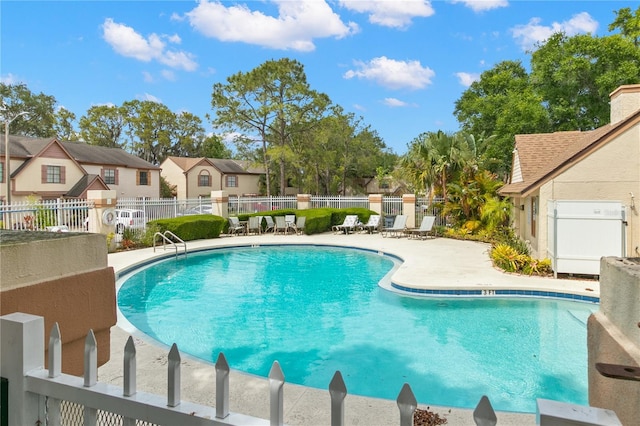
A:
x: 42, y: 215
x: 47, y: 396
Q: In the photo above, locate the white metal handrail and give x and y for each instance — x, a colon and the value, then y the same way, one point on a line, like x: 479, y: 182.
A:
x: 173, y: 241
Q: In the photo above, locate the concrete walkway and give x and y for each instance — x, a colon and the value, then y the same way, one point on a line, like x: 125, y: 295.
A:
x: 435, y: 264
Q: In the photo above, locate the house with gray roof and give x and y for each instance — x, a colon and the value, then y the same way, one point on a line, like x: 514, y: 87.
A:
x: 597, y: 165
x: 48, y: 168
x: 197, y: 177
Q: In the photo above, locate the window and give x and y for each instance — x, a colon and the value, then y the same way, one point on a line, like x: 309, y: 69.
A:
x: 1, y: 172
x: 232, y: 181
x: 204, y: 179
x: 110, y: 176
x: 143, y: 178
x: 53, y: 174
x: 534, y: 214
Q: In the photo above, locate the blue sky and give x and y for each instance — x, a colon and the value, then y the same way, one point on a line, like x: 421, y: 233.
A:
x: 398, y: 64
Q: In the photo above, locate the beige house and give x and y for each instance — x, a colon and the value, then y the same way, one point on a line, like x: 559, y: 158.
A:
x: 599, y: 165
x: 49, y: 169
x: 197, y: 177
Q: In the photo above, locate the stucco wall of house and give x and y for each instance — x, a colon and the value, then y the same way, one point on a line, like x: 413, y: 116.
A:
x: 126, y: 187
x: 195, y: 191
x: 611, y: 173
x: 247, y: 184
x: 175, y: 176
x: 29, y: 180
x: 66, y: 279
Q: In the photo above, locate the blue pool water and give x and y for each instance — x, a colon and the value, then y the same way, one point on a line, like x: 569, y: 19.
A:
x: 319, y: 309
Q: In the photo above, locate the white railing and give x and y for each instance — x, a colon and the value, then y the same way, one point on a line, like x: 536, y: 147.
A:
x: 339, y: 202
x: 243, y: 205
x: 42, y: 215
x: 39, y: 396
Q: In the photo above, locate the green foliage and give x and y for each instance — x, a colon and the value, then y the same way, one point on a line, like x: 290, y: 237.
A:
x: 318, y: 220
x: 196, y: 227
x: 41, y: 118
x: 508, y: 258
x: 130, y: 238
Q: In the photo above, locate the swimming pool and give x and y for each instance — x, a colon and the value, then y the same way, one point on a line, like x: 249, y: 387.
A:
x: 319, y: 309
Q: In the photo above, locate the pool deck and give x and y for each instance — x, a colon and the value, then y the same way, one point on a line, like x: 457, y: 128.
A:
x: 435, y: 264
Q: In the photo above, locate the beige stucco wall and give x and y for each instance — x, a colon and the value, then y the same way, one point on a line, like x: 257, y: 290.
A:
x: 247, y: 184
x: 611, y: 173
x: 29, y: 180
x: 65, y: 278
x: 175, y: 176
x: 195, y: 191
x: 127, y: 187
x: 613, y: 337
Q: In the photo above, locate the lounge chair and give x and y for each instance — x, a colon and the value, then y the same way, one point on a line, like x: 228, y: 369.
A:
x: 298, y: 227
x: 425, y: 228
x: 281, y: 225
x: 398, y: 228
x: 235, y: 227
x: 254, y: 225
x: 271, y: 226
x: 372, y: 225
x: 349, y: 224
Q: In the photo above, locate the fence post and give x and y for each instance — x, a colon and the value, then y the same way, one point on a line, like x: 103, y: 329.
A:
x: 409, y: 209
x: 484, y: 415
x: 173, y: 371
x: 375, y: 203
x: 276, y: 383
x: 304, y: 201
x: 21, y: 350
x: 407, y: 404
x: 338, y: 392
x: 102, y: 200
x: 220, y: 203
x: 222, y: 387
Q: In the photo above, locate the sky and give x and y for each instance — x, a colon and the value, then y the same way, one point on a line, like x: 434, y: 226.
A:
x: 398, y: 65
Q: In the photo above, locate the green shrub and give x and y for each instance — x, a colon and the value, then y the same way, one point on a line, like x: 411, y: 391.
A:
x: 318, y: 220
x: 196, y: 227
x: 509, y: 259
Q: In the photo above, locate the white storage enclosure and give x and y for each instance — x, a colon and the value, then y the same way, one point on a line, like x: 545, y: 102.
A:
x: 581, y: 232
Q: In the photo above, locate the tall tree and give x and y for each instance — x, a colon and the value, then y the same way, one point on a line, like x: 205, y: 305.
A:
x: 628, y: 23
x: 271, y: 102
x: 575, y: 75
x: 150, y: 130
x: 502, y: 103
x: 104, y: 125
x: 40, y: 120
x: 63, y: 125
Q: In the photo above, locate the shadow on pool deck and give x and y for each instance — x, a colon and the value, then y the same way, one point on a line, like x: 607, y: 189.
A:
x: 435, y: 263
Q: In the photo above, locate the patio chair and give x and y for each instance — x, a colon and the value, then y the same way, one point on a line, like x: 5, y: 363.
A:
x: 235, y: 227
x: 298, y: 227
x: 425, y: 228
x: 281, y: 225
x: 270, y: 225
x: 372, y: 225
x: 349, y: 224
x: 398, y: 228
x: 254, y: 225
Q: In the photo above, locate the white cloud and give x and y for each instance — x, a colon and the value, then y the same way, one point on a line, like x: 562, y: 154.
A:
x: 394, y: 103
x: 168, y: 75
x: 149, y: 97
x: 466, y: 78
x: 127, y: 42
x: 531, y: 33
x: 395, y: 14
x: 298, y: 23
x: 482, y: 5
x: 10, y: 79
x: 393, y: 74
x: 359, y: 107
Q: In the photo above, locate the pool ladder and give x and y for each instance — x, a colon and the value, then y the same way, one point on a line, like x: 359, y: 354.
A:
x: 169, y: 238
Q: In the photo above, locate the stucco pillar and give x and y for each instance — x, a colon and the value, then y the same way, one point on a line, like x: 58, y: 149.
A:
x: 102, y: 218
x: 375, y: 203
x: 613, y: 337
x: 304, y: 201
x: 220, y: 203
x: 409, y: 209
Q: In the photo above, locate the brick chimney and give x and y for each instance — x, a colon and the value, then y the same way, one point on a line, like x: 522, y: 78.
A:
x: 625, y: 100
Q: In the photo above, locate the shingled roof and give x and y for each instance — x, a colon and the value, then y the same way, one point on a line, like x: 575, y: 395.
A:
x: 27, y: 147
x: 224, y: 165
x: 540, y: 157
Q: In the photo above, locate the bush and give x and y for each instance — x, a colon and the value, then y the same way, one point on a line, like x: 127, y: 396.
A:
x: 318, y: 220
x: 509, y: 259
x: 188, y: 228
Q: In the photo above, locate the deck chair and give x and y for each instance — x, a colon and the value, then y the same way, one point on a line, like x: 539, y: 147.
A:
x: 271, y: 226
x: 281, y: 225
x: 372, y: 225
x: 398, y: 228
x: 254, y: 225
x: 425, y: 228
x: 349, y: 224
x: 235, y: 227
x: 298, y: 227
